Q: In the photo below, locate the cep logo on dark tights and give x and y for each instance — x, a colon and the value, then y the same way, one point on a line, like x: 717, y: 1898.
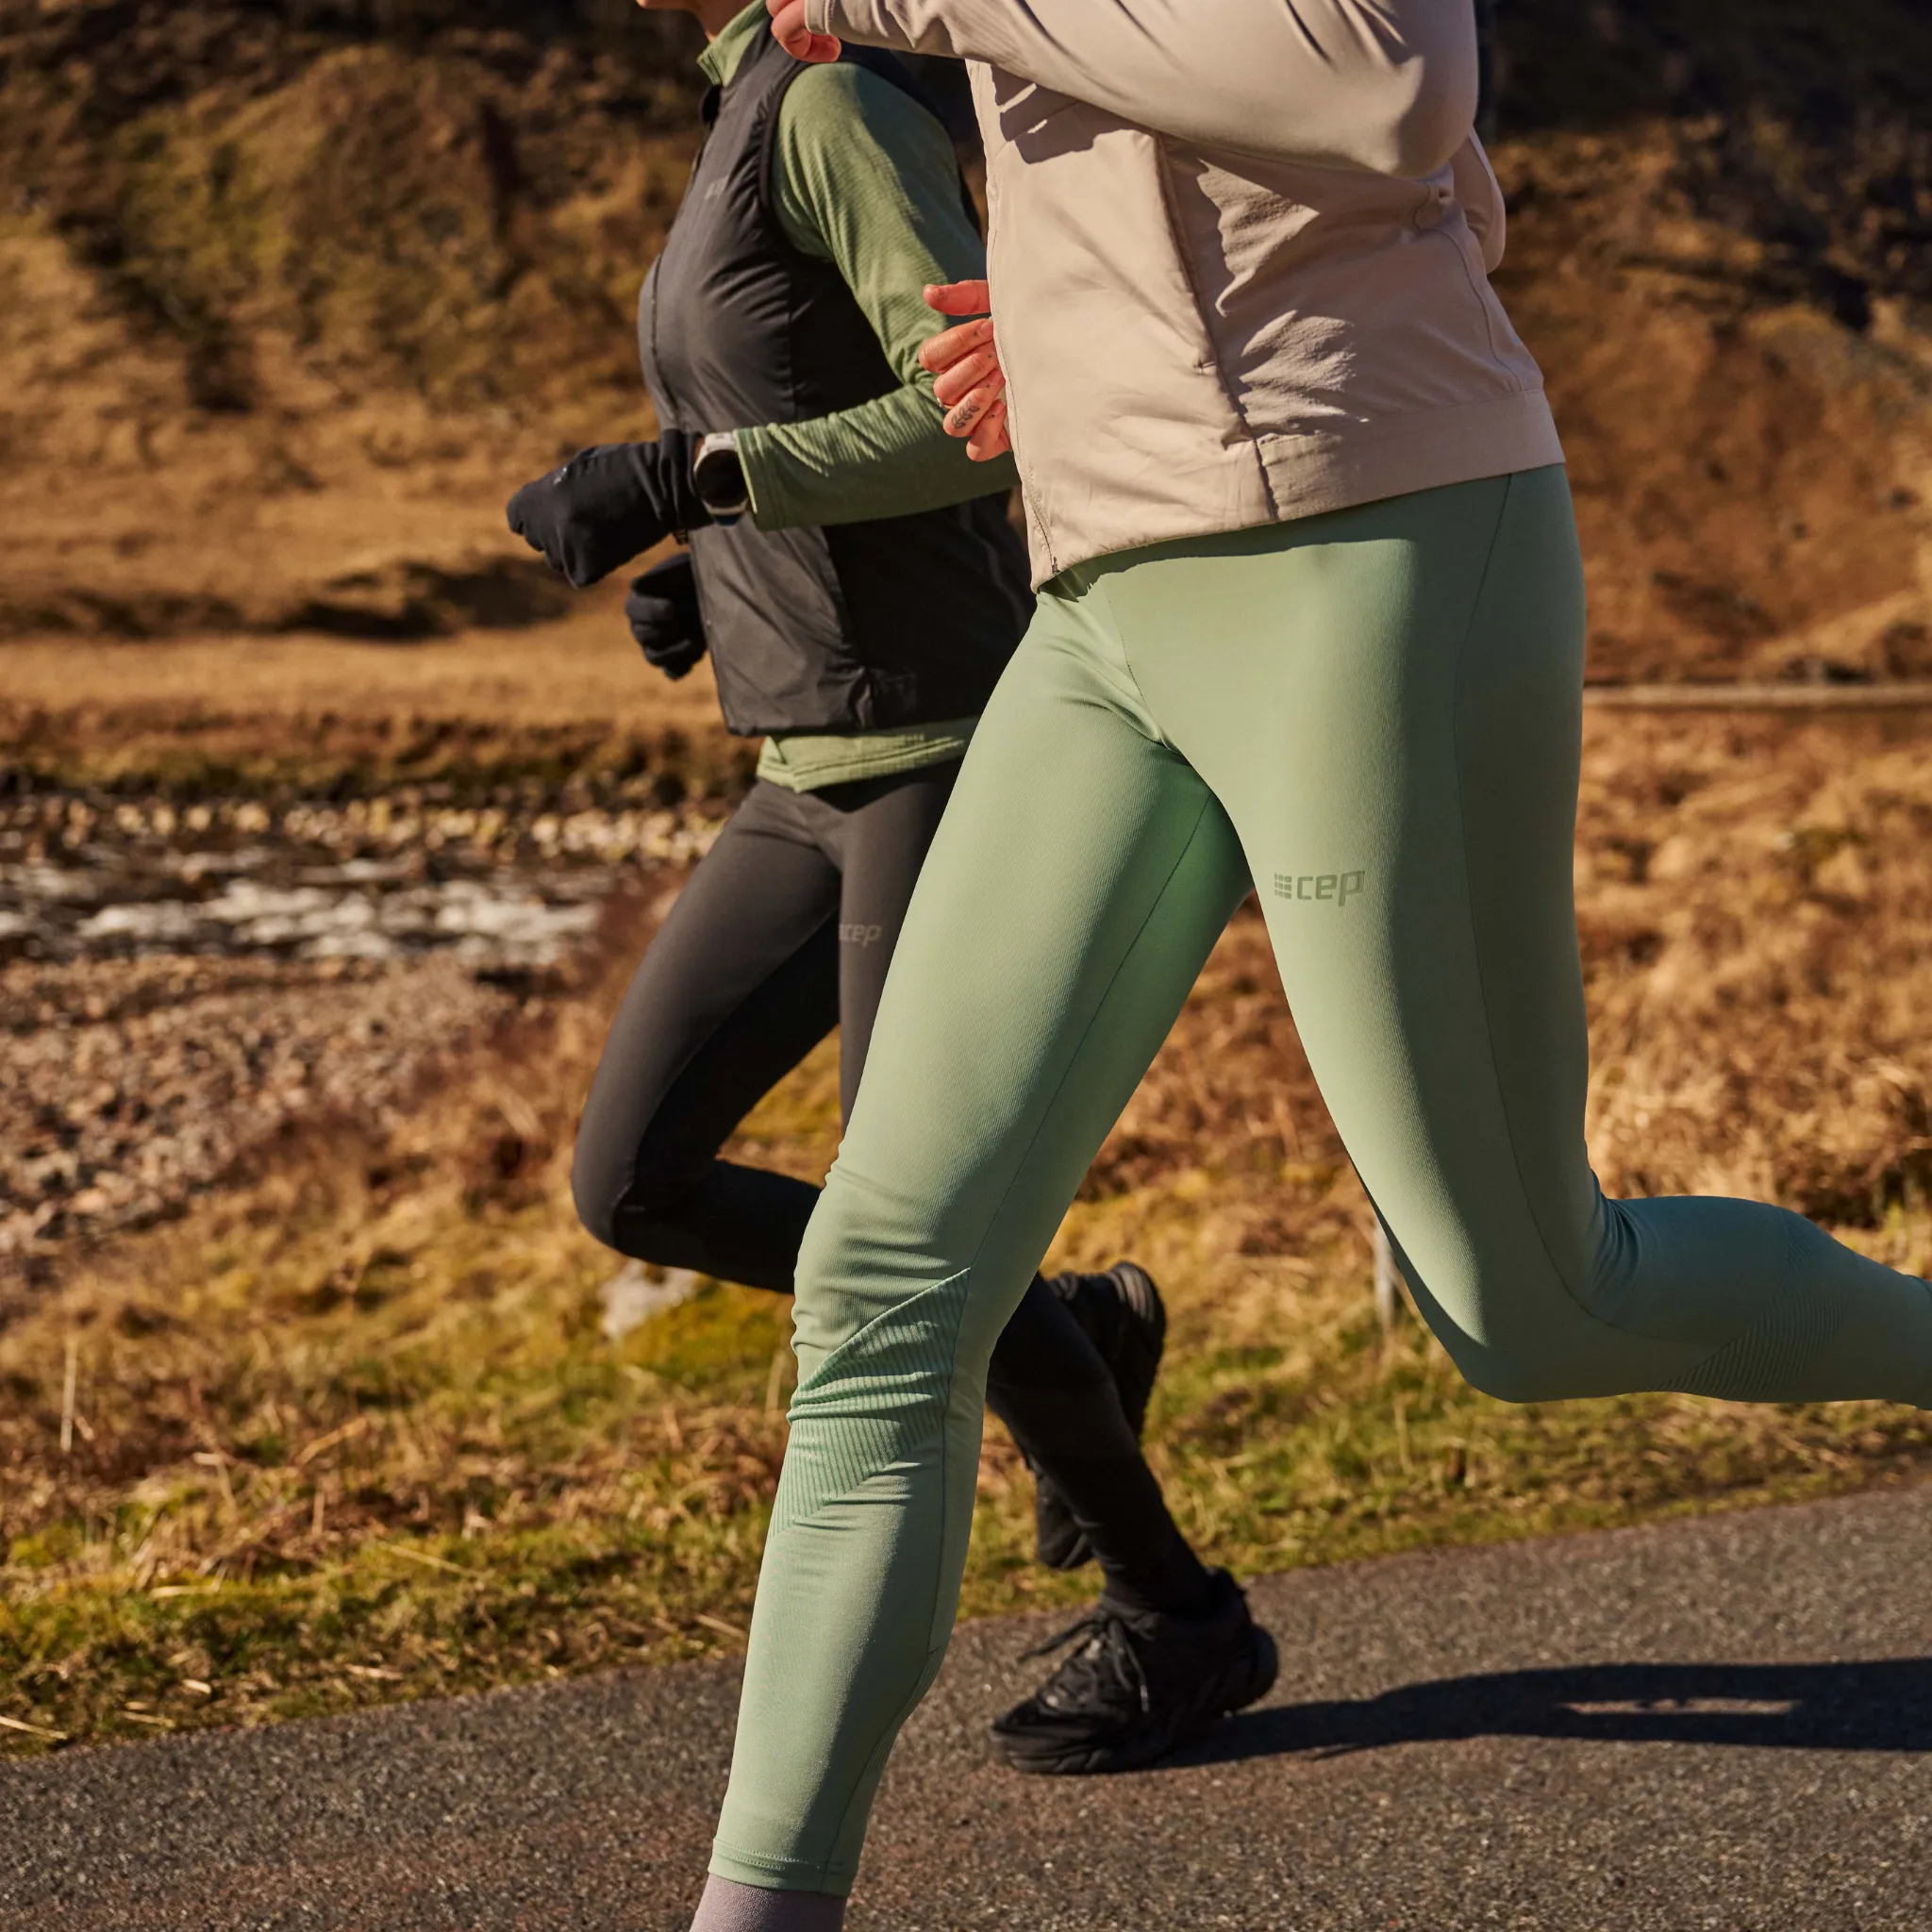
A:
x: 1335, y: 888
x: 860, y: 935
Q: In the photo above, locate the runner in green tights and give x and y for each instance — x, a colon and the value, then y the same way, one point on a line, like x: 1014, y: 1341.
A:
x: 1371, y: 713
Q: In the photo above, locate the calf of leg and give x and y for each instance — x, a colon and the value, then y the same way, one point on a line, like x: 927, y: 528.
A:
x: 1050, y: 1386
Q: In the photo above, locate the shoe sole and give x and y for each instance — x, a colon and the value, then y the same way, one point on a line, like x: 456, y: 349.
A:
x: 1137, y: 1754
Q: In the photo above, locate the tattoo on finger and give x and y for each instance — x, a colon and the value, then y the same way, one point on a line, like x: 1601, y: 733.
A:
x: 963, y: 415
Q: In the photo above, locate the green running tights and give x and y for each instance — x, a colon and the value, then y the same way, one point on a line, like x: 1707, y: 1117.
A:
x: 1374, y: 716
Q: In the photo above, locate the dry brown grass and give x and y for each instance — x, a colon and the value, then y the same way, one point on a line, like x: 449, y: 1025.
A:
x: 1753, y: 479
x: 284, y: 316
x: 287, y: 301
x: 352, y: 1433
x: 1756, y: 908
x: 580, y: 668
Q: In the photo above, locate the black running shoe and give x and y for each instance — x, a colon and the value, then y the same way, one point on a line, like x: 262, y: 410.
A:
x: 1122, y: 1314
x: 1137, y: 1685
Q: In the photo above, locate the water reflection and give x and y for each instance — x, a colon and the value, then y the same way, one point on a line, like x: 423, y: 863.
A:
x: 376, y: 879
x: 179, y: 984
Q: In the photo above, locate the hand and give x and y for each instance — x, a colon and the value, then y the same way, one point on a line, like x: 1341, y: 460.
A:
x: 608, y: 504
x: 790, y: 30
x: 972, y: 384
x: 662, y: 609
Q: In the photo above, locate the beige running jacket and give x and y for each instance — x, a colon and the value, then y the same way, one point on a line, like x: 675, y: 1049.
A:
x: 1238, y: 256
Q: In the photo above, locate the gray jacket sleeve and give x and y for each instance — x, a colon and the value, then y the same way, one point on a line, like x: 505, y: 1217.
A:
x: 1385, y: 84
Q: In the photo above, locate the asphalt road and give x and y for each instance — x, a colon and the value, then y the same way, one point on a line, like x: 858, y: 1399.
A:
x: 1719, y: 1724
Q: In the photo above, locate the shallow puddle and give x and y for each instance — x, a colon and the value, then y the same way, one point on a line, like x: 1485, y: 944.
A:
x: 178, y: 984
x: 377, y: 879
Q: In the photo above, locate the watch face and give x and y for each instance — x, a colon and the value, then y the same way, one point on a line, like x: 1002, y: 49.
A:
x: 719, y: 479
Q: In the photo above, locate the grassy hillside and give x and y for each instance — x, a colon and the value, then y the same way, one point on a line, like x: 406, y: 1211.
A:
x: 1722, y: 214
x: 290, y: 295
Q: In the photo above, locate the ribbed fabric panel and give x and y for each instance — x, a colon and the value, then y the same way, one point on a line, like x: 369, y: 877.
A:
x: 880, y: 1399
x: 1774, y: 1360
x: 1768, y: 1362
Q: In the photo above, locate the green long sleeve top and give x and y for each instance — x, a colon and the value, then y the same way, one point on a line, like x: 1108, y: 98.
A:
x: 864, y: 178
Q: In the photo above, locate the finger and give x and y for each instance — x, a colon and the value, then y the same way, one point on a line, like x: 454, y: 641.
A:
x: 942, y: 351
x: 790, y: 30
x: 951, y: 343
x: 962, y: 378
x: 991, y: 439
x: 958, y: 298
x: 962, y: 417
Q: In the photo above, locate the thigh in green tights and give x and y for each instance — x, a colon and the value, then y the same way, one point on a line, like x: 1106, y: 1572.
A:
x: 1374, y: 716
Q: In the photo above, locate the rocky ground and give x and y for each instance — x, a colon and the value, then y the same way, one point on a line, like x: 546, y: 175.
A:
x: 179, y: 983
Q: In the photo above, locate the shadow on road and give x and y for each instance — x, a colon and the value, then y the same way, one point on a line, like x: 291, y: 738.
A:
x: 1883, y: 1705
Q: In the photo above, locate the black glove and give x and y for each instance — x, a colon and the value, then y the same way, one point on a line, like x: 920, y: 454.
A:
x: 663, y: 611
x: 609, y: 502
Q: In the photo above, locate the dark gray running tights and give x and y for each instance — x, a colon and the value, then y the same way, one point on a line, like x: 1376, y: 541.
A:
x: 785, y: 931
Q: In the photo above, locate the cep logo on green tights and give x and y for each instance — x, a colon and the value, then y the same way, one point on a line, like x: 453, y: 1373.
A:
x: 1337, y: 888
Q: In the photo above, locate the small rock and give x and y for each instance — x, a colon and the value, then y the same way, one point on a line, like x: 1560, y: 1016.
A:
x: 638, y: 1290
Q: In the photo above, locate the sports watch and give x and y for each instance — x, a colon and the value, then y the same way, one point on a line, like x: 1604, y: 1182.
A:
x: 719, y: 478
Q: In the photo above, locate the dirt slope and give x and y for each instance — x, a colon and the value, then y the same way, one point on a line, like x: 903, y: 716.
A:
x: 1722, y: 252
x: 289, y: 295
